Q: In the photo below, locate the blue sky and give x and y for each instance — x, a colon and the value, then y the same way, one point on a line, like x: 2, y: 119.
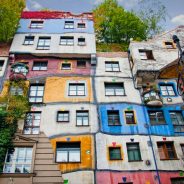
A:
x: 175, y: 8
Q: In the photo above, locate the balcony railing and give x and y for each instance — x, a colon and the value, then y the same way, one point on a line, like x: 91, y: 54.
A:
x: 152, y: 98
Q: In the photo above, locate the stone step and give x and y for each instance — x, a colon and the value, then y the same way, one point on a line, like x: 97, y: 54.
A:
x: 44, y: 150
x: 42, y: 156
x: 44, y: 162
x: 44, y: 145
x: 48, y: 173
x: 53, y: 167
x: 47, y: 179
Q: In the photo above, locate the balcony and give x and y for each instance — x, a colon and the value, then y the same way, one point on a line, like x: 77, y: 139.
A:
x: 18, y: 72
x: 152, y: 98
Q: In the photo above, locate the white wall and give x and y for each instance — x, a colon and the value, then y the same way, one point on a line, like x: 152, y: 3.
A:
x: 132, y: 95
x: 5, y: 59
x: 90, y: 47
x: 79, y: 177
x: 103, y: 141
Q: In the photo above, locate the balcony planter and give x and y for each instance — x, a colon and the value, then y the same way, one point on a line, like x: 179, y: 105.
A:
x: 154, y: 101
x: 17, y: 76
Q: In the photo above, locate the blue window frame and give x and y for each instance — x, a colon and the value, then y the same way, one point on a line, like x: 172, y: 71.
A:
x: 167, y: 90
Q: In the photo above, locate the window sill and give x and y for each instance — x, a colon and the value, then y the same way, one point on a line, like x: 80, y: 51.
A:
x: 17, y: 175
x: 69, y: 162
x: 158, y: 124
x: 82, y: 125
x: 114, y: 95
x: 115, y: 125
x: 115, y: 159
x: 63, y: 121
x: 169, y: 159
x: 112, y: 71
x: 135, y: 161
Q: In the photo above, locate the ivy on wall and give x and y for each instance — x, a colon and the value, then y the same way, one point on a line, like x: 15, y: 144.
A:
x: 13, y: 108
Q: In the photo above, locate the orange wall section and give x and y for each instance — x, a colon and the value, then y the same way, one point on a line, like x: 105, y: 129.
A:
x: 87, y: 152
x: 56, y: 90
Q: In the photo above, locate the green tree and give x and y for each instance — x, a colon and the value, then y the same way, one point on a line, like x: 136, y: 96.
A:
x: 115, y: 25
x: 154, y: 14
x: 10, y: 11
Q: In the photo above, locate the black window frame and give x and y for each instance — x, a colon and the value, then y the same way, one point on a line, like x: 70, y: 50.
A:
x: 44, y: 46
x: 69, y: 25
x: 40, y: 66
x: 156, y: 120
x: 77, y: 91
x: 64, y: 113
x: 78, y: 115
x: 81, y: 23
x: 113, y: 116
x: 149, y: 54
x: 83, y: 65
x: 29, y: 40
x: 81, y: 41
x: 137, y: 149
x: 38, y: 24
x: 112, y: 63
x: 1, y: 64
x: 133, y: 117
x: 66, y: 68
x: 114, y: 86
x: 36, y: 96
x: 67, y: 40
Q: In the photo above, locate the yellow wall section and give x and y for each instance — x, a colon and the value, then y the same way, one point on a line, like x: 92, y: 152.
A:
x: 87, y: 152
x: 56, y: 90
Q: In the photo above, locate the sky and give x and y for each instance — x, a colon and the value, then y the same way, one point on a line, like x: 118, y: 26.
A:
x: 175, y: 8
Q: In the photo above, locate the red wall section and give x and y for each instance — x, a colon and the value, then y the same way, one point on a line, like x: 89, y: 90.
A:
x: 106, y: 177
x: 53, y: 67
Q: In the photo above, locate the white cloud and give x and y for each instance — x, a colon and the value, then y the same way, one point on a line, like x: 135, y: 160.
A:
x: 35, y: 5
x: 179, y: 19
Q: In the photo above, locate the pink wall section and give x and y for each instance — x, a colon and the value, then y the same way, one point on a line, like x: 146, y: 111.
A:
x: 105, y: 177
x: 53, y: 67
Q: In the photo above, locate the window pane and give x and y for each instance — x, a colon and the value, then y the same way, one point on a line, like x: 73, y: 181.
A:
x: 74, y: 156
x: 62, y: 156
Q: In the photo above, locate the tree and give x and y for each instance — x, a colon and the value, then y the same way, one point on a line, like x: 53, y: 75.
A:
x: 115, y: 25
x: 10, y: 12
x: 154, y: 14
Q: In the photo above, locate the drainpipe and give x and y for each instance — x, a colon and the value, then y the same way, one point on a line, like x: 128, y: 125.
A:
x: 148, y: 128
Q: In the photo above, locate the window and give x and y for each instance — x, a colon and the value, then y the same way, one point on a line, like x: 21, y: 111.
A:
x: 36, y: 93
x: 29, y: 40
x: 44, y: 43
x: 167, y: 90
x: 36, y: 24
x: 81, y: 25
x: 68, y: 152
x: 133, y: 151
x: 114, y: 89
x: 16, y: 90
x: 113, y: 117
x: 18, y: 161
x: 115, y: 153
x: 32, y: 123
x: 1, y: 64
x: 177, y: 121
x: 146, y: 54
x: 66, y: 40
x: 81, y: 41
x: 66, y: 66
x: 169, y: 45
x: 166, y: 150
x: 156, y: 117
x: 76, y: 89
x: 182, y: 148
x: 81, y: 64
x: 40, y: 66
x: 20, y: 68
x: 130, y: 118
x: 112, y: 66
x: 82, y: 118
x: 69, y: 24
x: 177, y: 180
x: 63, y: 116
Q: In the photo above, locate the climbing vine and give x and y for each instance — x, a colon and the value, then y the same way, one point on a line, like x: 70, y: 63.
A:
x: 13, y: 107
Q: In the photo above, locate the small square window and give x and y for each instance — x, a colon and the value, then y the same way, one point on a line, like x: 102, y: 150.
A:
x: 130, y: 117
x: 36, y: 93
x: 69, y: 24
x: 169, y: 45
x: 146, y: 54
x: 40, y: 66
x: 156, y: 117
x: 134, y: 153
x: 1, y: 64
x: 66, y: 40
x: 68, y: 152
x: 76, y: 89
x: 81, y: 41
x: 63, y: 116
x: 167, y: 90
x: 66, y: 66
x: 115, y: 153
x: 81, y: 64
x: 112, y: 66
x: 36, y: 24
x: 29, y: 40
x: 166, y: 150
x: 81, y: 25
x: 113, y: 117
x: 82, y: 118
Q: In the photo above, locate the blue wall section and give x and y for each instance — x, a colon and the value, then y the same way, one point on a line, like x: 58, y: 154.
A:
x: 55, y: 26
x: 141, y: 113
